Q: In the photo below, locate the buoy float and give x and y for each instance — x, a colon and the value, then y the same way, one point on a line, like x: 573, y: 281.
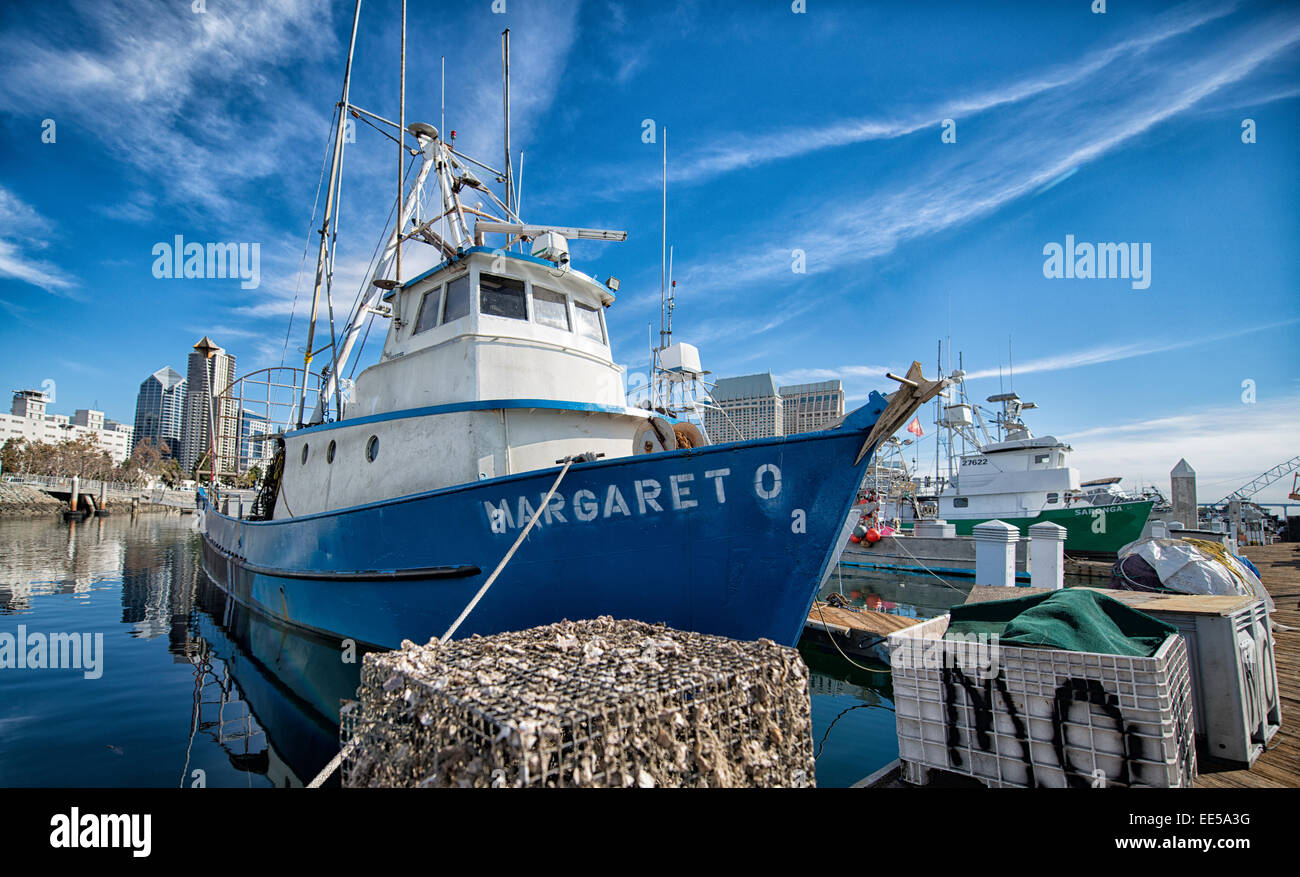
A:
x: 858, y: 532
x: 873, y: 535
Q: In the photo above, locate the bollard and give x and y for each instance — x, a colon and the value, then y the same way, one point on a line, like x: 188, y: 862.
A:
x: 1047, y: 556
x: 995, y: 553
x: 76, y: 490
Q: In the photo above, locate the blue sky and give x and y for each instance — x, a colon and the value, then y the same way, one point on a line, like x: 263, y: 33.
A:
x: 818, y: 131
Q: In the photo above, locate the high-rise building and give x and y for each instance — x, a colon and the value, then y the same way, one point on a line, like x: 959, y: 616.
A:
x: 255, y: 449
x: 750, y: 408
x: 809, y: 407
x: 159, y: 409
x: 211, y: 371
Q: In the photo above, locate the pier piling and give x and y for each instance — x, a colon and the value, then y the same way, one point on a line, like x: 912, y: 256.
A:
x: 1047, y: 555
x: 995, y: 553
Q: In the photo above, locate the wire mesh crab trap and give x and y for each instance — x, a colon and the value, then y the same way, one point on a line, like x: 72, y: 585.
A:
x: 600, y: 703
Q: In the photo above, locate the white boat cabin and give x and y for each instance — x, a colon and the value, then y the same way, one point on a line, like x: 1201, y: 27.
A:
x: 495, y: 363
x: 1017, y: 478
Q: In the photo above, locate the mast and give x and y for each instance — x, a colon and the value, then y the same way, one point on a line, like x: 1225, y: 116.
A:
x: 505, y: 91
x: 442, y: 132
x: 328, y: 222
x: 663, y: 256
x: 401, y: 146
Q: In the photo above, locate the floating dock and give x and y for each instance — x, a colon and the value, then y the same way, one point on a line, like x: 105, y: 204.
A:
x: 856, y: 631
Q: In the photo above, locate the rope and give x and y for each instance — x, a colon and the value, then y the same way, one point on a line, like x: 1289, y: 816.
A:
x: 329, y: 769
x: 899, y: 543
x: 509, y: 554
x: 859, y: 706
x: 334, y: 762
x: 836, y: 643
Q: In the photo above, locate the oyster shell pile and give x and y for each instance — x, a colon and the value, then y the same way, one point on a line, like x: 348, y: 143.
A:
x: 600, y: 703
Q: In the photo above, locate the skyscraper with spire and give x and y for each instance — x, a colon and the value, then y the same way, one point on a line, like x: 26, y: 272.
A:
x: 211, y: 370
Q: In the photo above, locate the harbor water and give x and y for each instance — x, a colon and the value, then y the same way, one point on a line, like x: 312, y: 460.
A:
x: 179, y: 686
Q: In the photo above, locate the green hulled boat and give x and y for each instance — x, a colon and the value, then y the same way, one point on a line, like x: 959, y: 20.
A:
x: 1099, y: 528
x: 1025, y: 480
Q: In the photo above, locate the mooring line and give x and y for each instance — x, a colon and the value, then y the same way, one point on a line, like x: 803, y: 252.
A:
x: 334, y: 762
x: 509, y: 554
x: 835, y: 643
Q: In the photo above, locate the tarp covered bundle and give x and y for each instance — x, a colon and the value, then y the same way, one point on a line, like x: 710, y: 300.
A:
x: 1073, y: 620
x: 1185, y: 566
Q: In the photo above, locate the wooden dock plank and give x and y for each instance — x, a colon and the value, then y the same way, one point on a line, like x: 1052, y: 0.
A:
x: 840, y: 620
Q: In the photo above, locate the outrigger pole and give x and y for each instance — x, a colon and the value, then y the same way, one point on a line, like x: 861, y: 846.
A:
x: 329, y: 222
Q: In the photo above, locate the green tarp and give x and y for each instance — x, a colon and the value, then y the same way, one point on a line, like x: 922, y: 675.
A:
x: 1072, y: 619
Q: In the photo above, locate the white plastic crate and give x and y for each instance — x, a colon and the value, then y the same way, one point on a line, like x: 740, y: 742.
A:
x: 1043, y: 717
x: 1234, y: 680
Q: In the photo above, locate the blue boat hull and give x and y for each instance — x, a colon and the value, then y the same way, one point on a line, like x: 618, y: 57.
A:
x: 728, y: 539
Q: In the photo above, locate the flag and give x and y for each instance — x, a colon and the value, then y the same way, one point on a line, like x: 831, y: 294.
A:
x: 915, y: 427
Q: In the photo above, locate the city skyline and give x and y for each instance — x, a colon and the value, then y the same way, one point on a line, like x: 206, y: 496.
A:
x: 827, y: 233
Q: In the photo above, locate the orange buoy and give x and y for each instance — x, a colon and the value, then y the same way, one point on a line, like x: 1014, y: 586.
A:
x: 873, y: 535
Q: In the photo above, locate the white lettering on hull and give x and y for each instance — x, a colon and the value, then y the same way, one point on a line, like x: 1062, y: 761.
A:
x: 651, y: 497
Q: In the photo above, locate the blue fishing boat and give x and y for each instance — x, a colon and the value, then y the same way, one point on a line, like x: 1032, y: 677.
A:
x: 492, y: 440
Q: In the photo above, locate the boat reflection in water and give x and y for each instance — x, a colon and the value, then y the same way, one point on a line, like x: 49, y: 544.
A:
x: 266, y: 694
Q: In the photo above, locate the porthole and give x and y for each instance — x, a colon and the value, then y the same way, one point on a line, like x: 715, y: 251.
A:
x: 304, y: 452
x: 329, y: 453
x: 372, y: 448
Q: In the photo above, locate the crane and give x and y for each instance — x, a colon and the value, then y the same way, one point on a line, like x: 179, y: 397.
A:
x: 1254, y: 486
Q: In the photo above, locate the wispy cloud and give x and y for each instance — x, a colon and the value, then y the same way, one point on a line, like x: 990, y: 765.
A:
x: 193, y: 101
x: 1078, y: 123
x: 24, y: 233
x: 1115, y: 352
x: 1260, y: 436
x: 734, y: 151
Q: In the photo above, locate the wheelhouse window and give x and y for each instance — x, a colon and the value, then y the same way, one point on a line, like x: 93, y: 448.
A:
x: 502, y: 297
x: 457, y: 299
x: 1040, y: 458
x: 1053, y: 498
x: 550, y: 309
x: 588, y: 322
x: 960, y: 502
x: 428, y: 317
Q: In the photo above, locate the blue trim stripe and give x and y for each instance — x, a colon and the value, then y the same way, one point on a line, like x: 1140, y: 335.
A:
x: 481, y: 405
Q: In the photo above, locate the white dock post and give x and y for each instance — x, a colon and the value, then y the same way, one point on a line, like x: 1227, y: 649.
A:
x: 76, y: 490
x: 995, y: 553
x: 1047, y: 555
